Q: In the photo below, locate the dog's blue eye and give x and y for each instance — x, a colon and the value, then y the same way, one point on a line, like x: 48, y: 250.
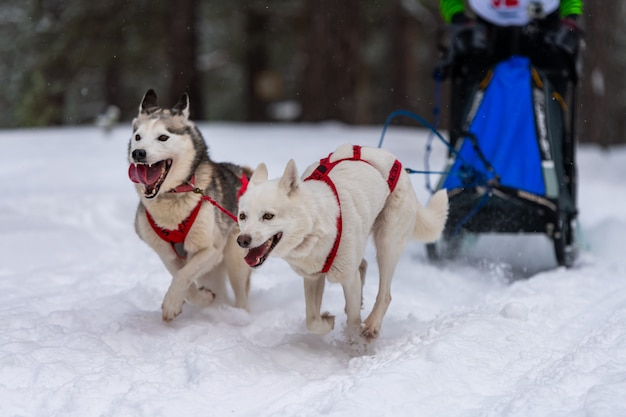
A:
x: 163, y: 138
x: 268, y: 216
x: 137, y: 137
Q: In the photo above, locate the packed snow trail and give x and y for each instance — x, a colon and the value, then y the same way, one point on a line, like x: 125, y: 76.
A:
x: 499, y: 332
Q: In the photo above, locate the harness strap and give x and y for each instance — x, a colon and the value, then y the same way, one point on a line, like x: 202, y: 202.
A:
x: 177, y: 236
x: 394, y: 175
x: 243, y: 188
x: 221, y: 208
x: 321, y: 174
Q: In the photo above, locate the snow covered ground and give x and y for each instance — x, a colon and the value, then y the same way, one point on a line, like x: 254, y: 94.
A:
x: 502, y: 332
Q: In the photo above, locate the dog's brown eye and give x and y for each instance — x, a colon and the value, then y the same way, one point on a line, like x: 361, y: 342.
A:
x: 268, y: 216
x: 137, y: 137
x: 163, y: 138
x: 242, y: 216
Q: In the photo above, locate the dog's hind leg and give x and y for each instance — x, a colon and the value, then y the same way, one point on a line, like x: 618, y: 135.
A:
x: 387, y: 259
x: 391, y: 235
x: 238, y: 274
x: 353, y: 294
x: 362, y: 272
x: 315, y: 321
x: 240, y: 282
x: 200, y: 295
x: 209, y: 287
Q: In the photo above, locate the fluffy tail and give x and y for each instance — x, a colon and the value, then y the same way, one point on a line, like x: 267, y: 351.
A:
x: 432, y: 219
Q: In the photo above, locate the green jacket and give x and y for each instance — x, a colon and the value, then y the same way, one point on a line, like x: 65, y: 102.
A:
x: 449, y: 8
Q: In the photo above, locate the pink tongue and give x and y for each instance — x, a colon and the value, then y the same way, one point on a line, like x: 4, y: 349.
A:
x: 143, y: 174
x: 254, y: 255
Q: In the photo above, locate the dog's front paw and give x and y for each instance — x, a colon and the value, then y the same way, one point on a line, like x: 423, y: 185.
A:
x: 322, y: 326
x: 200, y: 296
x: 370, y: 332
x: 172, y: 306
x: 356, y: 344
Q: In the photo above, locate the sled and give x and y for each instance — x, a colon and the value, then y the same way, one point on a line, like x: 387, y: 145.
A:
x: 511, y: 168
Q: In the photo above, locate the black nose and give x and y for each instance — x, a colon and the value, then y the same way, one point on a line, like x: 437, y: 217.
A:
x: 139, y: 155
x: 244, y: 240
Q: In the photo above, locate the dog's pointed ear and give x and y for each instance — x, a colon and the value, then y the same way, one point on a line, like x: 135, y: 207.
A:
x: 182, y: 107
x: 149, y: 102
x: 290, y: 180
x: 259, y: 175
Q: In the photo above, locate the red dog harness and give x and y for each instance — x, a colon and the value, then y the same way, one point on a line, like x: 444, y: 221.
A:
x: 321, y: 174
x: 177, y: 237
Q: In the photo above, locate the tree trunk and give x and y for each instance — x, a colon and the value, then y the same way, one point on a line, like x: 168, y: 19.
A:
x: 112, y: 85
x: 600, y: 106
x: 183, y: 53
x: 255, y: 62
x: 399, y: 56
x: 332, y: 70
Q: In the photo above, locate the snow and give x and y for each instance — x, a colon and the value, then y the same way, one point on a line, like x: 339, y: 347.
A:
x: 500, y: 332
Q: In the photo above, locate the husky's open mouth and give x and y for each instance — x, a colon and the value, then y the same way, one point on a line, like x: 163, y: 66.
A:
x: 256, y: 256
x: 150, y: 175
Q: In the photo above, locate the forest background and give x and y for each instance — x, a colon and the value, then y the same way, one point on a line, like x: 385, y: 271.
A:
x: 64, y: 62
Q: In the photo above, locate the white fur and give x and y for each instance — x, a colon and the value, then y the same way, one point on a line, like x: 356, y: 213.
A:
x: 306, y: 212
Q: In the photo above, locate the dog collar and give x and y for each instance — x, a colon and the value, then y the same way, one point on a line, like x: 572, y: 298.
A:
x: 186, y: 187
x: 321, y: 174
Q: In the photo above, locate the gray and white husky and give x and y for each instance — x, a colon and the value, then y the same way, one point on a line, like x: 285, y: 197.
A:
x: 320, y: 225
x: 186, y: 205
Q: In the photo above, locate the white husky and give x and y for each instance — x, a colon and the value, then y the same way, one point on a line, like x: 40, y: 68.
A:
x: 320, y: 225
x: 186, y: 200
